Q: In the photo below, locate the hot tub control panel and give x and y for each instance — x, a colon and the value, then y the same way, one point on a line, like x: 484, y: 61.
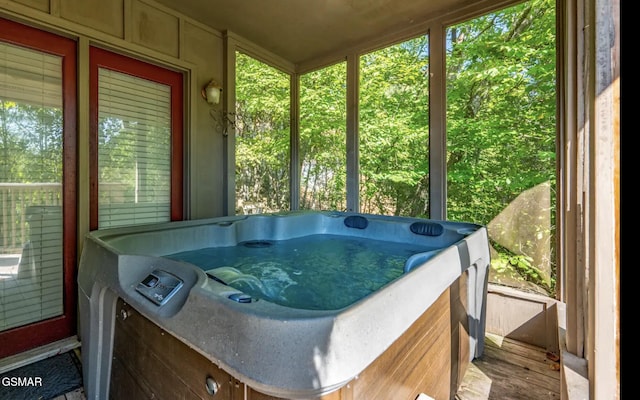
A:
x: 159, y: 286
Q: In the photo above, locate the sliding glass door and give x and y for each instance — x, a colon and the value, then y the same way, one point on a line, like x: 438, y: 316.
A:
x: 37, y: 188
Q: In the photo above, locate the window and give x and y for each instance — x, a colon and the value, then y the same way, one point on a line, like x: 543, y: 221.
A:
x: 262, y: 137
x: 394, y: 129
x: 136, y: 111
x: 501, y: 138
x: 323, y: 152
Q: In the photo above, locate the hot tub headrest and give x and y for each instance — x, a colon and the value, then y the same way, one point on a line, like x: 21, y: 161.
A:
x: 356, y: 221
x: 427, y: 228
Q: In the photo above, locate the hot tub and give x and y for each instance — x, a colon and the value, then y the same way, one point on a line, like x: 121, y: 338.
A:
x: 259, y: 323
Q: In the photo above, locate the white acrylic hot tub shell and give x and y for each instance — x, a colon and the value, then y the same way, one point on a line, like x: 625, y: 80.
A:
x: 280, y: 351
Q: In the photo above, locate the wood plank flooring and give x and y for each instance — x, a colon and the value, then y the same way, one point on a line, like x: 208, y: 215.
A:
x: 77, y: 394
x: 508, y: 370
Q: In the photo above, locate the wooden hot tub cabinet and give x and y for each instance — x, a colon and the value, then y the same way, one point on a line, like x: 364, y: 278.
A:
x: 431, y: 357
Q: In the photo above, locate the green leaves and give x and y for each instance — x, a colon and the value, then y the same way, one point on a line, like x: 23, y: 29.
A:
x: 30, y: 143
x: 500, y: 107
x: 262, y: 135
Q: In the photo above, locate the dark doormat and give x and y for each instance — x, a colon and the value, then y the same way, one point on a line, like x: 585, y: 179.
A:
x: 43, y: 380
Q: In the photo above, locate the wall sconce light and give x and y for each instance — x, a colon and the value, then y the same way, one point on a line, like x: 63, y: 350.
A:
x: 211, y: 92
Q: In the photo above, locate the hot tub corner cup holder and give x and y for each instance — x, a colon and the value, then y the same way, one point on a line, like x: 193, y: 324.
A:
x: 159, y: 286
x: 466, y: 231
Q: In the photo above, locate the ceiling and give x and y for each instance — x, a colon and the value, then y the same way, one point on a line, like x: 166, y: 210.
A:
x: 303, y: 30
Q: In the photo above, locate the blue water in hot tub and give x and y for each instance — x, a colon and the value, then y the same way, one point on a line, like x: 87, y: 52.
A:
x: 315, y: 272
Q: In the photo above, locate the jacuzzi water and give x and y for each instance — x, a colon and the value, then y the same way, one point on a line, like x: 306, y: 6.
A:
x: 314, y: 272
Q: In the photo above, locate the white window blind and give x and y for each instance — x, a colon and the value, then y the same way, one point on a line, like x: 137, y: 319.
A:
x: 29, y: 76
x: 31, y: 265
x: 134, y: 150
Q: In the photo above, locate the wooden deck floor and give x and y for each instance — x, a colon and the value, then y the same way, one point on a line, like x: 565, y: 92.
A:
x: 77, y: 394
x: 508, y: 370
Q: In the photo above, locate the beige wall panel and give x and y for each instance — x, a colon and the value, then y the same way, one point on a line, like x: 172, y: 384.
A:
x: 155, y: 29
x: 103, y: 15
x: 42, y: 5
x: 204, y: 49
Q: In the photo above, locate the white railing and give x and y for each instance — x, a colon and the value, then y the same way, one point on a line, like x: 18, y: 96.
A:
x: 15, y: 199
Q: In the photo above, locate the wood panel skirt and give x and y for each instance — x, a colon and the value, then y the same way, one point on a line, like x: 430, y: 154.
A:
x: 431, y: 357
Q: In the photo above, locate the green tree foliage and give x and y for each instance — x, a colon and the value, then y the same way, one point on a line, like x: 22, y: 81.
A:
x: 501, y: 125
x: 30, y: 143
x: 394, y: 129
x: 323, y: 154
x: 30, y: 153
x: 262, y: 135
x: 500, y: 109
x: 134, y: 154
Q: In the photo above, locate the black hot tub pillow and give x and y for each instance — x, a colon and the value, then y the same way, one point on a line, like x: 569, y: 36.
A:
x: 427, y: 228
x: 356, y: 221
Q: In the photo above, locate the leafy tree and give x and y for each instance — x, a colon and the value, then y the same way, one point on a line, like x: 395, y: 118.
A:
x: 133, y: 151
x: 30, y: 153
x: 323, y: 154
x: 394, y: 129
x: 30, y: 143
x: 262, y: 135
x: 501, y: 108
x: 501, y: 133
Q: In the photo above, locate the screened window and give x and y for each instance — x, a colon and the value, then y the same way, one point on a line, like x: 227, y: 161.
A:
x: 394, y: 129
x: 136, y: 133
x: 263, y: 133
x: 323, y: 151
x: 501, y: 138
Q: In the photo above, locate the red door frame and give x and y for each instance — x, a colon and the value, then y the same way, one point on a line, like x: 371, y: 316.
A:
x: 23, y: 338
